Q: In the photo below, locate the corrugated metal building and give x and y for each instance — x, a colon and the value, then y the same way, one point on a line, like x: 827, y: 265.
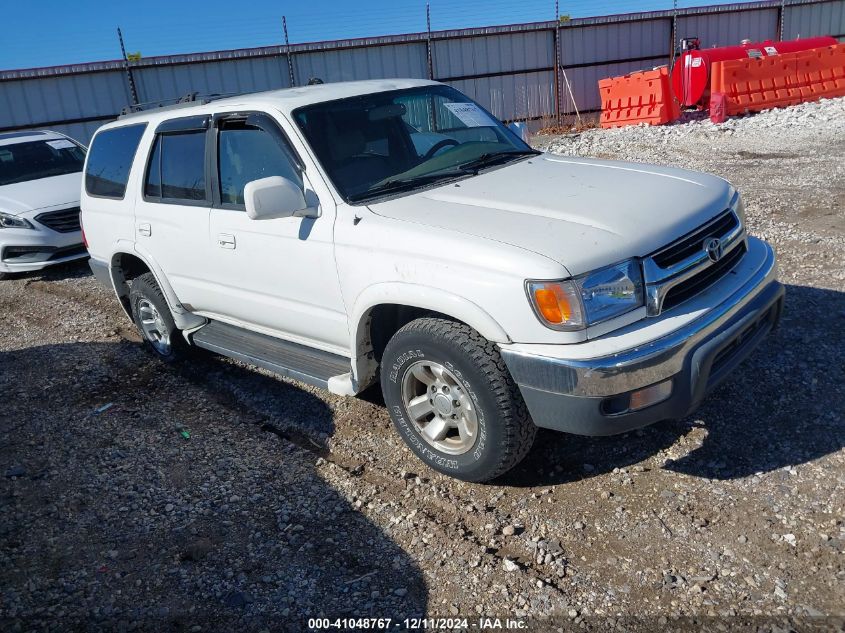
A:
x: 516, y: 71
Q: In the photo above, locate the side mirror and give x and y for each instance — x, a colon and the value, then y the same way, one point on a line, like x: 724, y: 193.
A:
x: 274, y: 197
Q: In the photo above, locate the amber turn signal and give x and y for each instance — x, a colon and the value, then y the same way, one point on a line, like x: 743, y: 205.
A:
x: 557, y: 304
x: 554, y: 307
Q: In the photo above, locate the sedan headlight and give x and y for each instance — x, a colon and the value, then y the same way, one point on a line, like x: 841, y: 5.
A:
x: 11, y: 222
x: 578, y: 303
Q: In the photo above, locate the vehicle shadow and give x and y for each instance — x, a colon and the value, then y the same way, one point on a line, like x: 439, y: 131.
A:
x: 785, y: 405
x: 177, y: 496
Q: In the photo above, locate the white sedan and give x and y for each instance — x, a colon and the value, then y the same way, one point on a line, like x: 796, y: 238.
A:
x: 40, y: 180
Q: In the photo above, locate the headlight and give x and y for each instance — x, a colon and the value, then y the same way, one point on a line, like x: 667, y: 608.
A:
x: 738, y: 207
x: 11, y: 222
x: 583, y: 301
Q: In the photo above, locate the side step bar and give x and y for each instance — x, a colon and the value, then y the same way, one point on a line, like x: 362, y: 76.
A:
x: 291, y: 360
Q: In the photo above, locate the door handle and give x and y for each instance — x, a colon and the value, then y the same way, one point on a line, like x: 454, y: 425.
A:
x: 145, y: 230
x: 225, y: 240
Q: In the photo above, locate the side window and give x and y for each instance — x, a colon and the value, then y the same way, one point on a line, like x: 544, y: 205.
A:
x: 152, y: 183
x: 246, y: 153
x: 110, y: 159
x: 177, y: 167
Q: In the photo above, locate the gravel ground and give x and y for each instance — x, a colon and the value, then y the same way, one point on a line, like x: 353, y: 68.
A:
x: 210, y: 495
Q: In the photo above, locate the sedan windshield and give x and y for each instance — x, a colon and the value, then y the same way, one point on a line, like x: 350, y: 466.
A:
x: 33, y: 160
x: 391, y: 142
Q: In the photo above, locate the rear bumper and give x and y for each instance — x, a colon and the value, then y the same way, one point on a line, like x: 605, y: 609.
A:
x: 580, y: 396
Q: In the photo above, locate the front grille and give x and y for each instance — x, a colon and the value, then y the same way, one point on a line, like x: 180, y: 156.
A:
x: 64, y: 221
x: 684, y: 268
x: 691, y: 242
x: 702, y: 280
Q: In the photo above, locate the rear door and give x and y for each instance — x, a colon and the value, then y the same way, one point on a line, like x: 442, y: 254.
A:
x: 276, y: 275
x: 171, y: 216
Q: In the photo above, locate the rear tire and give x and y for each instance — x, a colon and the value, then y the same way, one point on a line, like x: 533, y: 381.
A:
x: 453, y: 400
x: 154, y: 321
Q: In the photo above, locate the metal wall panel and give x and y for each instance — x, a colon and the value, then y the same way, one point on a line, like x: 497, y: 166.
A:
x: 76, y: 99
x: 729, y: 29
x: 49, y: 99
x: 377, y: 62
x: 512, y: 97
x: 156, y: 83
x: 622, y: 40
x: 585, y: 82
x: 493, y: 54
x: 811, y: 20
x: 82, y: 132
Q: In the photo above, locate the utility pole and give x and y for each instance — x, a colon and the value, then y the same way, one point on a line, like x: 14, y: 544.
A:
x: 557, y: 61
x: 428, y: 40
x: 780, y: 19
x: 132, y: 91
x: 287, y: 52
x: 674, y: 31
x: 559, y: 65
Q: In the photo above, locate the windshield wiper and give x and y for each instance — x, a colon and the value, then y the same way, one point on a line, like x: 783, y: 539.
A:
x: 494, y: 158
x: 394, y: 185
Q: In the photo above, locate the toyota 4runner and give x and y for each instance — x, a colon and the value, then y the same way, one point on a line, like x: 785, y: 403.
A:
x: 395, y: 231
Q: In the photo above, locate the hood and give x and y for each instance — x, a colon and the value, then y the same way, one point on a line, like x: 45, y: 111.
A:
x: 582, y: 213
x: 33, y: 195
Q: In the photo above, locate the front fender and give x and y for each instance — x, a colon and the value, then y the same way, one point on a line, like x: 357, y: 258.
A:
x: 415, y: 296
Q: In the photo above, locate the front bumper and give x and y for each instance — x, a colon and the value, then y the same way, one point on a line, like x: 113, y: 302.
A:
x: 23, y: 250
x: 572, y: 395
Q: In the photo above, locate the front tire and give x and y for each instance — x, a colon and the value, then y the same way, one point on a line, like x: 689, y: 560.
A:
x: 154, y: 321
x: 453, y: 401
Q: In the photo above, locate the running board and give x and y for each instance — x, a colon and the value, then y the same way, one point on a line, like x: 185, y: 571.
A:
x: 291, y: 360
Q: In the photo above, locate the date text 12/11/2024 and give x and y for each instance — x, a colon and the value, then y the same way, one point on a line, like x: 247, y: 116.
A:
x: 416, y: 624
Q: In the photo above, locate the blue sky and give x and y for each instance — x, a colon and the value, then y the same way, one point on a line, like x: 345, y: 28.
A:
x: 55, y: 32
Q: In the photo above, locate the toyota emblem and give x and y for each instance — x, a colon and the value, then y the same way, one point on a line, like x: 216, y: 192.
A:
x: 713, y: 248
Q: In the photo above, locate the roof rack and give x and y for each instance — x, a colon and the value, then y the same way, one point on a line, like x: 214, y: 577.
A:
x: 186, y: 100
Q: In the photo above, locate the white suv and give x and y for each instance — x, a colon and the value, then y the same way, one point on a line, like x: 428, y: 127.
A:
x: 393, y: 230
x: 40, y: 179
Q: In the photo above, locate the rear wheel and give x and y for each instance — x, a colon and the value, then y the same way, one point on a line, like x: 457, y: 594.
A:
x: 453, y: 401
x: 154, y: 321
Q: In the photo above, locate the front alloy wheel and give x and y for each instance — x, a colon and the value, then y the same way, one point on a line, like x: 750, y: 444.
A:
x: 438, y: 406
x: 453, y: 401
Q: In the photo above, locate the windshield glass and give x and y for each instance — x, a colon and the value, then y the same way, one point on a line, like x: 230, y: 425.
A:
x: 32, y: 160
x: 399, y: 140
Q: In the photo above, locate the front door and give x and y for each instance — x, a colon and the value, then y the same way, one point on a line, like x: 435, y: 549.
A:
x: 278, y: 275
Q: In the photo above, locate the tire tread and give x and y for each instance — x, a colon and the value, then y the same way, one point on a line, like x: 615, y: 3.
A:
x: 519, y: 430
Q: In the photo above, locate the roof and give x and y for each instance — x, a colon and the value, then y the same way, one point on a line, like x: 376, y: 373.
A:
x: 285, y: 100
x: 10, y: 138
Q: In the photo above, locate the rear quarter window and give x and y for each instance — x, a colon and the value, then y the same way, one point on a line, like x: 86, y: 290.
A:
x: 110, y: 160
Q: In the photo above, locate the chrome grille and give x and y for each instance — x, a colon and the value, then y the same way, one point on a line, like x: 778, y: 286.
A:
x: 691, y: 243
x: 683, y: 269
x: 64, y: 221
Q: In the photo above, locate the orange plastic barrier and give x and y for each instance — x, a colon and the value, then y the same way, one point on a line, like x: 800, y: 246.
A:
x: 643, y: 97
x: 751, y: 85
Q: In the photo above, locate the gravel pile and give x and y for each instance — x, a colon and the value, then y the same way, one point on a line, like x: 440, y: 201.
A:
x: 210, y: 495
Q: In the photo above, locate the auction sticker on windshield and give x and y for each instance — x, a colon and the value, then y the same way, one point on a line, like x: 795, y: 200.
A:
x: 60, y: 144
x: 470, y: 114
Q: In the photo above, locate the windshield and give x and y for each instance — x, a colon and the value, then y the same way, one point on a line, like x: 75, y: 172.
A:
x: 400, y: 140
x: 32, y: 160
